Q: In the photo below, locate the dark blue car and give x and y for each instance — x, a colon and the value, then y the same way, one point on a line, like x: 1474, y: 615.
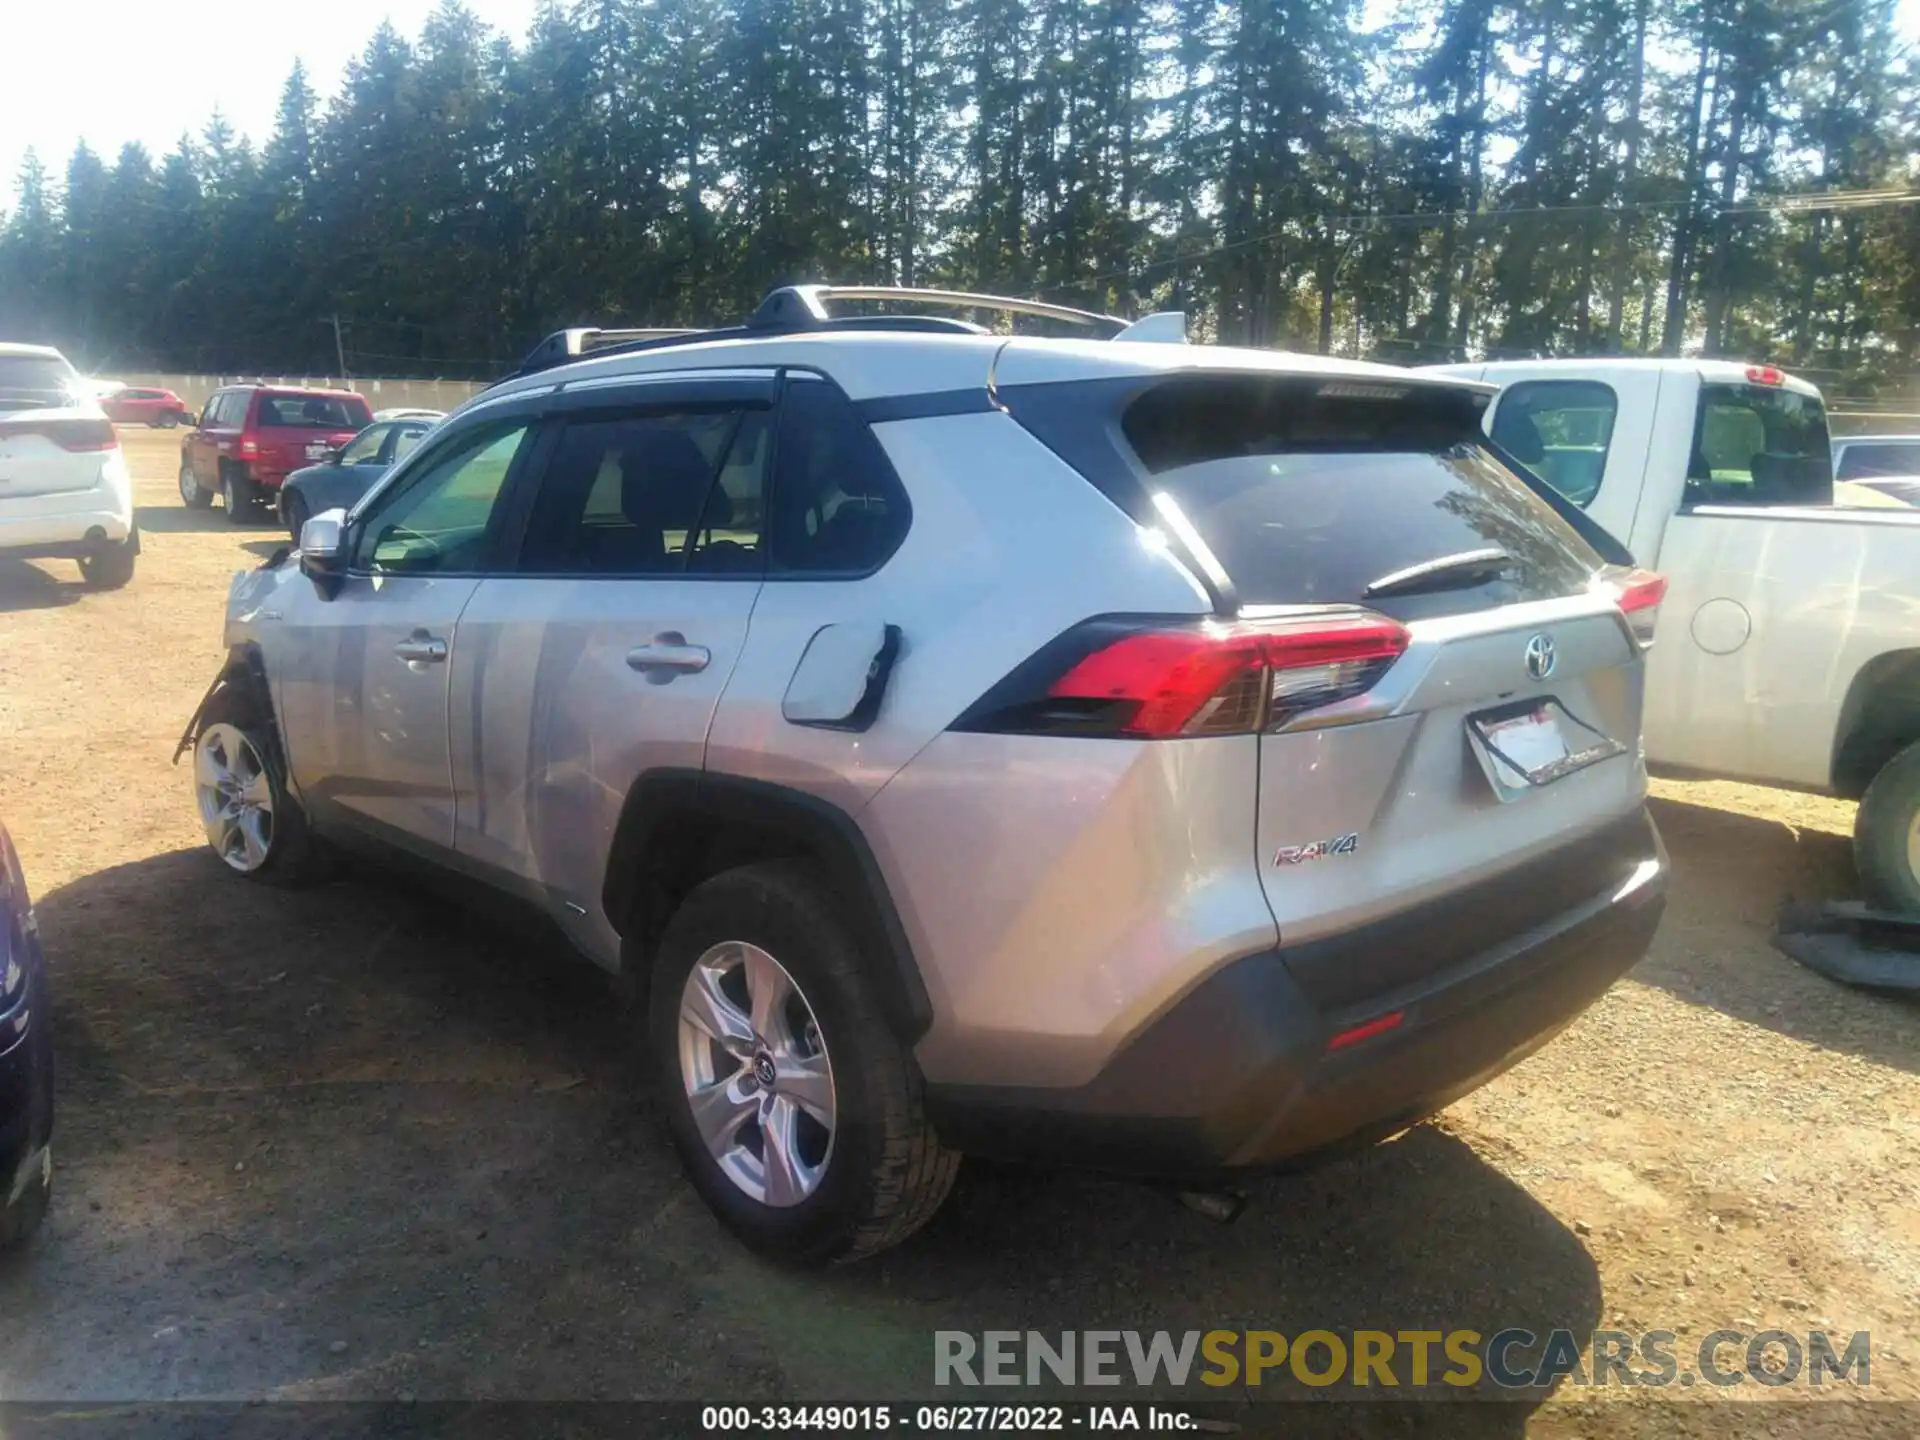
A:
x: 26, y: 1060
x: 337, y: 483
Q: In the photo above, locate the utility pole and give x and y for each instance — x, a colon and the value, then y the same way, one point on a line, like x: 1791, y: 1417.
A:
x: 339, y: 348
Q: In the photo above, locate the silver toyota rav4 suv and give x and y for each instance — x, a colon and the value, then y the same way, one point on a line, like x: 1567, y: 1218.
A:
x: 1167, y: 759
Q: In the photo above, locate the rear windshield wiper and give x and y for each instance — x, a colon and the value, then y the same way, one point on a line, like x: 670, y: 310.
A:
x: 1449, y: 572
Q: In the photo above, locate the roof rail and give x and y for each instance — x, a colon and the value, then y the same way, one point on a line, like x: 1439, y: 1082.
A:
x: 797, y: 309
x: 565, y: 345
x: 803, y: 307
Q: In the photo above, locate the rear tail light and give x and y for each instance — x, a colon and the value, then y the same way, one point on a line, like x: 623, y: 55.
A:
x: 1638, y: 593
x: 74, y: 435
x: 1146, y: 679
x: 249, y: 447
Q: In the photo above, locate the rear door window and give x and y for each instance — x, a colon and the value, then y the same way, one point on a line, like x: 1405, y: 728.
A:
x: 1755, y: 445
x: 838, y: 508
x: 1308, y: 495
x: 1561, y: 430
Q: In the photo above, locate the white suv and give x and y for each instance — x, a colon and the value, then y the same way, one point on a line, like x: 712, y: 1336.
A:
x: 1167, y: 759
x: 64, y: 489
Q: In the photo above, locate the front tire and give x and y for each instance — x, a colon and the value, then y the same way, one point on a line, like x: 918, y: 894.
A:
x: 110, y: 566
x: 1886, y: 835
x: 192, y: 494
x: 252, y: 822
x: 794, y: 1107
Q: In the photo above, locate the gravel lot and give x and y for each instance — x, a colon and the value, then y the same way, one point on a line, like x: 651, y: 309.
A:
x: 352, y: 1143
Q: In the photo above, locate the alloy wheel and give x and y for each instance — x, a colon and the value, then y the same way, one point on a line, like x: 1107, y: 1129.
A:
x: 236, y: 800
x: 758, y: 1079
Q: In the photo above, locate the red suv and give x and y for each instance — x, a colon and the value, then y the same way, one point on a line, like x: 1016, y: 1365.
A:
x: 251, y: 437
x: 138, y: 405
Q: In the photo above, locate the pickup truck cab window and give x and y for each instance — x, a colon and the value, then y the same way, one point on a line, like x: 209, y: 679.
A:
x: 1561, y: 430
x: 1753, y: 445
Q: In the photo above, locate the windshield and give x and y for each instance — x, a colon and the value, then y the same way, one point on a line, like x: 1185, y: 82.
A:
x: 1754, y: 445
x: 313, y: 412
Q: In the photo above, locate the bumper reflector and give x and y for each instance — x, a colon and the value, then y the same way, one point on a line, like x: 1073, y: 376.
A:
x: 1366, y: 1030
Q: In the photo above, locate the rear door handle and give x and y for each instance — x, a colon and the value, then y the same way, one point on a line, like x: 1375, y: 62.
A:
x: 420, y: 648
x: 667, y: 656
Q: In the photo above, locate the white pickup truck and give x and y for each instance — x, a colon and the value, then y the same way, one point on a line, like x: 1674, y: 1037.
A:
x: 1788, y: 645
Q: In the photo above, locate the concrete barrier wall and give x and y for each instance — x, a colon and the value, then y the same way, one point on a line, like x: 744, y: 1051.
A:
x: 381, y: 394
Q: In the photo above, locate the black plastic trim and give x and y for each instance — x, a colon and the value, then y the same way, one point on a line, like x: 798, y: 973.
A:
x: 245, y: 669
x: 658, y: 812
x: 934, y: 403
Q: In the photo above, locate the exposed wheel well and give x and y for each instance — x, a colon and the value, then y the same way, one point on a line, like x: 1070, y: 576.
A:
x: 1879, y: 719
x: 681, y: 827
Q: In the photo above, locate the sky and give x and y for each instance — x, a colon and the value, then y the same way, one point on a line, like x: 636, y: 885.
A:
x: 118, y: 70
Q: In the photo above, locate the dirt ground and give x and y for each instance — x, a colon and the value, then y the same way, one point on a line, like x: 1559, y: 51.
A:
x: 351, y: 1144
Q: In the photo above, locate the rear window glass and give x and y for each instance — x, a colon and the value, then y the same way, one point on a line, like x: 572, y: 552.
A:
x: 33, y: 372
x: 1753, y: 445
x: 312, y: 412
x: 1307, y: 498
x: 1861, y: 462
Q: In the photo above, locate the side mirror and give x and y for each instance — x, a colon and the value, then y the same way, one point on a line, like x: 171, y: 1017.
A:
x: 323, y: 550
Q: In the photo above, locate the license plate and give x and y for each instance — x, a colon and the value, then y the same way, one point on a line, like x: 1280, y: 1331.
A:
x: 317, y: 452
x: 1522, y: 748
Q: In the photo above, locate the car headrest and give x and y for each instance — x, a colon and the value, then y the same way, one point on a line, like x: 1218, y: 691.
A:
x: 663, y: 481
x: 1522, y: 439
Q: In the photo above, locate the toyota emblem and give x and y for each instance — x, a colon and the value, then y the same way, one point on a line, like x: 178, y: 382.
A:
x: 1540, y: 656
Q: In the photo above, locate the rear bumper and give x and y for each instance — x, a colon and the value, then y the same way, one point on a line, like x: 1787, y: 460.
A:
x: 70, y: 522
x: 1237, y: 1075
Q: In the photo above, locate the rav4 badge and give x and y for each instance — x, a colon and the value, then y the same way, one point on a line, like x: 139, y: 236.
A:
x: 1319, y: 850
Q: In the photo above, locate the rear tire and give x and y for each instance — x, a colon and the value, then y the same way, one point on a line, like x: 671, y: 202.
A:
x: 237, y: 496
x: 294, y: 511
x: 109, y: 567
x: 253, y: 823
x: 166, y: 419
x: 22, y: 1218
x: 882, y: 1172
x: 192, y: 494
x: 1886, y: 835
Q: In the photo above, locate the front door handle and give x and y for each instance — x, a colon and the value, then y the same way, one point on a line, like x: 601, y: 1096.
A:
x: 667, y: 656
x: 420, y: 648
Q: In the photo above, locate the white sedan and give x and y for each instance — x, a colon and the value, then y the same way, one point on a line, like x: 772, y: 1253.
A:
x: 64, y: 488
